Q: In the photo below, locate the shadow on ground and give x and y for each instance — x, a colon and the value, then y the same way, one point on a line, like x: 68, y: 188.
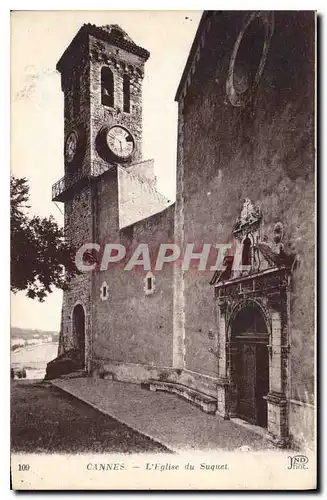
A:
x: 44, y: 419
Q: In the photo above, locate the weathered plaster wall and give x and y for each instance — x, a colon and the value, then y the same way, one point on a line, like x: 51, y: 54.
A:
x: 263, y: 151
x: 144, y: 170
x: 132, y: 327
x: 138, y: 198
x: 302, y: 421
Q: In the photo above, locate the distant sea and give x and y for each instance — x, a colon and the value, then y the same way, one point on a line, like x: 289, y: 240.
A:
x: 34, y: 358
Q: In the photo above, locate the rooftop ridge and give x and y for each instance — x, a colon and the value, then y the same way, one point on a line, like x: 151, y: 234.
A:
x: 195, y: 52
x: 116, y: 36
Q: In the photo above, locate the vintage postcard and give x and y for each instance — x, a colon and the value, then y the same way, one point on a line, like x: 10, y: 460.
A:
x: 163, y: 235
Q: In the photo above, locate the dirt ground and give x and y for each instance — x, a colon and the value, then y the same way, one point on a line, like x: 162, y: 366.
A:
x: 46, y: 420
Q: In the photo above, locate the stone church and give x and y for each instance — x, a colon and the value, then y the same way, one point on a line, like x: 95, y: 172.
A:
x: 238, y: 342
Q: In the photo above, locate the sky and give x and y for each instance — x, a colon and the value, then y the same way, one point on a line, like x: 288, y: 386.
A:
x: 38, y: 39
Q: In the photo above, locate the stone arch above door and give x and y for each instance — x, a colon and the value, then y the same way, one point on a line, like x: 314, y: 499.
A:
x: 240, y: 305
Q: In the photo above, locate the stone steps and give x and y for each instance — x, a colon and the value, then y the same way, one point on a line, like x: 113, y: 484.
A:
x: 107, y: 375
x: 207, y: 403
x: 77, y: 374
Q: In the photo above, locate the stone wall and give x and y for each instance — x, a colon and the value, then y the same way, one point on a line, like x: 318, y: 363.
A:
x: 302, y: 423
x: 132, y: 326
x: 78, y: 230
x: 178, y: 276
x: 264, y: 151
x: 138, y: 198
x: 120, y: 62
x: 76, y: 88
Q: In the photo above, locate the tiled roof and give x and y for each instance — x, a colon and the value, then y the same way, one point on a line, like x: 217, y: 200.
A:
x: 117, y: 36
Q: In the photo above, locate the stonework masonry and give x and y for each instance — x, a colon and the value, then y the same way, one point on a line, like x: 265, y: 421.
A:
x: 245, y: 139
x: 263, y: 151
x: 113, y: 204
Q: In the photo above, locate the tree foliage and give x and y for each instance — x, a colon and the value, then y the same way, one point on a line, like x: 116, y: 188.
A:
x: 40, y: 257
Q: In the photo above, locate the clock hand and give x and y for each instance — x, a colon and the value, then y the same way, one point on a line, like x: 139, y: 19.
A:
x: 119, y: 140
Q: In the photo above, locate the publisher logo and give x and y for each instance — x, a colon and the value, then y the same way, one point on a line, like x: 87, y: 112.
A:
x: 298, y: 462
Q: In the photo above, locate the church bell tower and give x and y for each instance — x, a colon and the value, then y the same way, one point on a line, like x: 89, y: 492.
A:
x: 101, y: 78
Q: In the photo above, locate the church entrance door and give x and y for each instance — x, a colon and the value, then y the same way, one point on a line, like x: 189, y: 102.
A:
x: 250, y: 367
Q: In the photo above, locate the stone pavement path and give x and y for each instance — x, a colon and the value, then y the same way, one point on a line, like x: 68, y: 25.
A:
x: 164, y: 417
x: 45, y: 419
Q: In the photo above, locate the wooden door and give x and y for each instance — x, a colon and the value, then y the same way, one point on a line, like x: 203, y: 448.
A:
x: 246, y: 407
x: 252, y: 382
x: 262, y: 383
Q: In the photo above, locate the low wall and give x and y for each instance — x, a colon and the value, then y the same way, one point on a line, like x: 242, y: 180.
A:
x: 138, y: 373
x: 302, y: 424
x: 301, y: 415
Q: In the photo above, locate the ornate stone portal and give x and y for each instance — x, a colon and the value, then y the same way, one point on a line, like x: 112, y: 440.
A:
x: 252, y: 308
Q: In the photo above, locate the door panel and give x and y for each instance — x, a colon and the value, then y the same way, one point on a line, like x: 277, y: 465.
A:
x: 253, y: 382
x: 262, y: 383
x: 246, y: 382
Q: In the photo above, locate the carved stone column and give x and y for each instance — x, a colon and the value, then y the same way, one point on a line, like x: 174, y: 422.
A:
x: 178, y: 276
x: 276, y: 398
x: 223, y: 385
x: 233, y: 355
x: 275, y: 368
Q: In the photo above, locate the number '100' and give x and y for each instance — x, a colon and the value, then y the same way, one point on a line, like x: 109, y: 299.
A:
x: 23, y: 467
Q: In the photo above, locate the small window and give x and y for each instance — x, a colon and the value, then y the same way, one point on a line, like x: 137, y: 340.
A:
x: 149, y: 283
x: 127, y: 94
x: 104, y: 291
x: 107, y: 87
x: 246, y: 252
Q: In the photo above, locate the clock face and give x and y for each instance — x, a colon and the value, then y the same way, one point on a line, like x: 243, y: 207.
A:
x: 71, y: 147
x: 120, y: 142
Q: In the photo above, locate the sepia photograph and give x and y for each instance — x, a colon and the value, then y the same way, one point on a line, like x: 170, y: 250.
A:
x: 163, y: 250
